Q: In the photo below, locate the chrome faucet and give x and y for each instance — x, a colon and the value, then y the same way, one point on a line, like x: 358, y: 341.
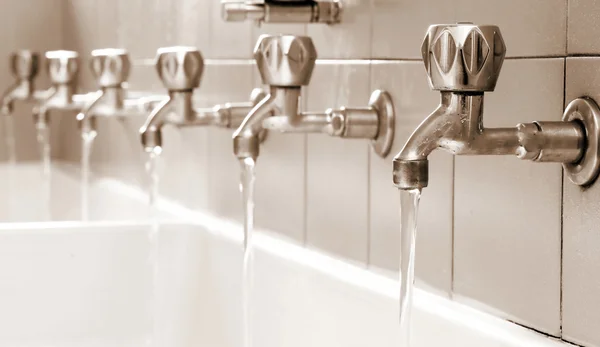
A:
x: 24, y: 66
x: 282, y: 11
x: 63, y: 70
x: 180, y: 70
x: 286, y: 64
x: 463, y: 61
x: 111, y: 69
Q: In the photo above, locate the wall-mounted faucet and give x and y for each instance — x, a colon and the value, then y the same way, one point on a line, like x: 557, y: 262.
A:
x: 286, y: 64
x: 180, y: 70
x: 463, y: 61
x: 111, y: 68
x: 63, y: 70
x: 24, y: 66
x: 282, y: 11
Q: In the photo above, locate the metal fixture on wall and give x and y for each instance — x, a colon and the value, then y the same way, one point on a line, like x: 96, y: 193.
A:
x: 63, y: 70
x: 286, y: 63
x: 463, y: 61
x: 24, y: 66
x: 283, y: 11
x: 111, y: 69
x: 180, y: 70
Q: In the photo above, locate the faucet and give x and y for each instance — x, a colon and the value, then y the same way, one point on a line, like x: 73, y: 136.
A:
x: 463, y: 61
x: 63, y: 70
x: 282, y: 11
x: 24, y: 67
x: 180, y: 70
x: 286, y: 64
x: 111, y: 69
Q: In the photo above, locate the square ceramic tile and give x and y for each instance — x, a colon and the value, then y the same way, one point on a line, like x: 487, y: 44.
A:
x: 228, y: 40
x: 193, y: 24
x: 107, y: 24
x: 531, y: 28
x: 337, y: 172
x: 281, y: 182
x: 413, y: 101
x: 584, y: 27
x: 141, y: 39
x: 224, y: 83
x: 399, y: 26
x: 349, y: 39
x: 507, y: 212
x: 581, y: 241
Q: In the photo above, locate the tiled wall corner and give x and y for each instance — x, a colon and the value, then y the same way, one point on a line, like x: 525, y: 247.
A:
x: 413, y: 100
x: 337, y: 169
x: 583, y: 27
x: 507, y: 212
x: 581, y: 236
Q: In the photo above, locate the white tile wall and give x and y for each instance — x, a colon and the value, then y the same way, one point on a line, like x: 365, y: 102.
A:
x: 507, y: 220
x: 581, y: 239
x: 490, y: 228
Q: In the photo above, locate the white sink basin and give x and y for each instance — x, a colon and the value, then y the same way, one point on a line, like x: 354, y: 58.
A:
x: 70, y: 284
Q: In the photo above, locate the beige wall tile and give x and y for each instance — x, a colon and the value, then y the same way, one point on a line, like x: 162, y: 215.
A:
x: 337, y: 169
x: 581, y: 240
x: 507, y: 212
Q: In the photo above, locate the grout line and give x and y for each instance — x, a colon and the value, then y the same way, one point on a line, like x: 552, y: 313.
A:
x: 453, y: 189
x: 562, y: 229
x: 356, y: 61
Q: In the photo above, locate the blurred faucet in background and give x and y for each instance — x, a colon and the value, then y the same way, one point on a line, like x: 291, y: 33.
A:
x: 111, y: 68
x: 63, y: 70
x: 286, y: 63
x: 24, y: 66
x: 180, y: 70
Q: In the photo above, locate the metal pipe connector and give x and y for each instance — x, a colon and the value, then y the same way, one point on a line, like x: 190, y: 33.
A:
x: 282, y: 11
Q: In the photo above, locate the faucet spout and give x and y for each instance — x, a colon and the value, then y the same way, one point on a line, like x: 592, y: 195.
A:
x: 151, y: 131
x: 456, y: 126
x: 246, y: 141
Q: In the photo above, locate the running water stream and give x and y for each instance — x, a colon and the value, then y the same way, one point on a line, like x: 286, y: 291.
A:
x: 87, y: 141
x: 152, y: 168
x: 247, y: 189
x: 43, y: 140
x: 9, y: 138
x: 409, y: 211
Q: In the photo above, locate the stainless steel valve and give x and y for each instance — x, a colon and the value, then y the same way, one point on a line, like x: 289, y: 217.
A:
x: 111, y: 68
x: 286, y: 63
x: 180, y: 70
x: 463, y: 61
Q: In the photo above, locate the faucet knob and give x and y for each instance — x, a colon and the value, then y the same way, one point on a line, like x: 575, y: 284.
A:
x: 24, y: 64
x: 110, y: 66
x: 179, y: 68
x: 463, y: 57
x: 285, y: 60
x: 62, y: 66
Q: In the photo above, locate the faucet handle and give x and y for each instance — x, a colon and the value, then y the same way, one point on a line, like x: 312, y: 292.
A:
x: 285, y: 60
x: 179, y: 68
x: 62, y: 66
x: 24, y: 64
x: 110, y: 66
x: 463, y: 57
